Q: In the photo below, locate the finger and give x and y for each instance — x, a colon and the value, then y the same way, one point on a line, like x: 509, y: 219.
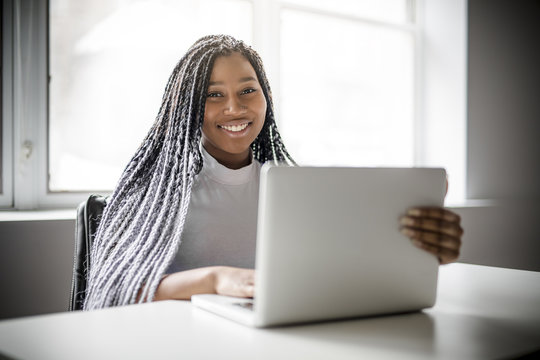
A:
x: 444, y: 255
x: 436, y: 239
x: 434, y: 213
x: 247, y: 287
x: 434, y: 225
x: 250, y: 278
x: 249, y: 291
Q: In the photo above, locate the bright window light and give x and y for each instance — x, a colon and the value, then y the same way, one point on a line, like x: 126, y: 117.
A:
x: 347, y: 91
x: 109, y: 64
x: 378, y: 10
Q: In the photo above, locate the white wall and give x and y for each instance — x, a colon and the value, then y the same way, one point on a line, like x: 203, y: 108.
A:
x: 443, y: 104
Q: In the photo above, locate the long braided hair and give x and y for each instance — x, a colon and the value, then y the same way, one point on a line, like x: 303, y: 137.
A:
x: 141, y: 227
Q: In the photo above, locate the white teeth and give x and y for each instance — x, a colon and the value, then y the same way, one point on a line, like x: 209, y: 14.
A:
x: 235, y: 128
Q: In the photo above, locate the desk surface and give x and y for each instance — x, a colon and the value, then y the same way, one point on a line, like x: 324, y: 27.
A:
x: 481, y: 313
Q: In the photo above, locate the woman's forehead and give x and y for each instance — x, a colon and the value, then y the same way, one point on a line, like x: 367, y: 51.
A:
x: 233, y: 67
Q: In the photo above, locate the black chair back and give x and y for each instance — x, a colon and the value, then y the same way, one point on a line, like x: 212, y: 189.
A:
x: 88, y: 218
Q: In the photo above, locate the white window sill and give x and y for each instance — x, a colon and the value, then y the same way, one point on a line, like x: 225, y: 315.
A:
x: 70, y: 214
x: 37, y: 215
x: 472, y: 203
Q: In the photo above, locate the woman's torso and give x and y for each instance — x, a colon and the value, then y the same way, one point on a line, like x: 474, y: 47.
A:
x: 221, y: 223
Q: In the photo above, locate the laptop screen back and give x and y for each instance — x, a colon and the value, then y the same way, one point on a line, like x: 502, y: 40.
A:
x: 329, y: 246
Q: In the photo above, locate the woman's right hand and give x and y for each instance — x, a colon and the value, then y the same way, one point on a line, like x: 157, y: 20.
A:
x: 233, y: 281
x: 223, y: 280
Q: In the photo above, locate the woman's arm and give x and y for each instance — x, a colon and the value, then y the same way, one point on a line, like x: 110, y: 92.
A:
x: 221, y: 280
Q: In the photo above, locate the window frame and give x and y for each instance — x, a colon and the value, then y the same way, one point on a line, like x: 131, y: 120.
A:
x: 25, y: 108
x: 6, y: 172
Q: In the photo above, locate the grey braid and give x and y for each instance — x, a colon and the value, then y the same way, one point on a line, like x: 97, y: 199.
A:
x: 142, y: 224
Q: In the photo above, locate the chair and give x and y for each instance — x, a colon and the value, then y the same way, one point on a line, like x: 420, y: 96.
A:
x: 88, y: 217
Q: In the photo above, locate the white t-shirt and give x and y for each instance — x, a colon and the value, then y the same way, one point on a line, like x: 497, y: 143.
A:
x: 221, y: 223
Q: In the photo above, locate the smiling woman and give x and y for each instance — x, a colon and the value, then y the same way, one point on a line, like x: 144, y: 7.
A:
x: 235, y: 111
x: 215, y: 127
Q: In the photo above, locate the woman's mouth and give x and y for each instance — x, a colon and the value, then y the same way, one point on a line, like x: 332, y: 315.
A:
x: 234, y: 128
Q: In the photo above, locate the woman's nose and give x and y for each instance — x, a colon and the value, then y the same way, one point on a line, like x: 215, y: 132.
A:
x: 233, y: 106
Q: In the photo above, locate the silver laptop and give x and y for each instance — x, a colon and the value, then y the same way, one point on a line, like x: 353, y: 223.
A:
x: 329, y: 246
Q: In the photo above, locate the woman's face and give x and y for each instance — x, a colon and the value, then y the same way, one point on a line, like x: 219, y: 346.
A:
x: 235, y: 111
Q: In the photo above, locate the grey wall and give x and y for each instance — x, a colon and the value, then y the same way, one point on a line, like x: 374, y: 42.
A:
x: 503, y: 155
x: 504, y: 99
x: 36, y: 260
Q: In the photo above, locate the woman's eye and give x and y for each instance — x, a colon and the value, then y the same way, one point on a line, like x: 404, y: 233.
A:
x: 213, y: 94
x: 248, y: 91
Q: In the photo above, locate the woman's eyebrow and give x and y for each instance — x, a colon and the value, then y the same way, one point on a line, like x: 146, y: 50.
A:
x: 242, y: 80
x: 247, y: 78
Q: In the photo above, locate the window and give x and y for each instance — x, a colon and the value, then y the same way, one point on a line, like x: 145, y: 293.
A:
x: 109, y: 63
x: 347, y: 87
x: 355, y: 82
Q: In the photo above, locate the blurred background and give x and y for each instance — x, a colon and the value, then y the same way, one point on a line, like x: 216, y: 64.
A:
x: 445, y: 83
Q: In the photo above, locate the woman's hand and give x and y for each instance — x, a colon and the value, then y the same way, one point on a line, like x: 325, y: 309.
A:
x: 234, y: 281
x: 435, y: 230
x: 221, y: 280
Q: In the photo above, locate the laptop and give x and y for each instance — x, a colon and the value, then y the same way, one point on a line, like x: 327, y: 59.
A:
x: 329, y: 246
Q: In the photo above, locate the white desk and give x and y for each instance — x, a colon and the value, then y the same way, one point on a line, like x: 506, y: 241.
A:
x: 481, y: 313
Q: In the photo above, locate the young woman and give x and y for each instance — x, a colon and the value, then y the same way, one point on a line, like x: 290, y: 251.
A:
x: 182, y: 219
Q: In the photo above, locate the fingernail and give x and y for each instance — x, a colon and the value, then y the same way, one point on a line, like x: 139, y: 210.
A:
x: 414, y: 212
x: 406, y: 221
x: 407, y: 232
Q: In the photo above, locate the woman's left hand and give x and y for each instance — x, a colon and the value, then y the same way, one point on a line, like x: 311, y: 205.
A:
x: 435, y: 230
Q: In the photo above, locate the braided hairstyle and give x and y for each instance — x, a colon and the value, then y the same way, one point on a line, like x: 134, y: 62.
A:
x: 142, y: 224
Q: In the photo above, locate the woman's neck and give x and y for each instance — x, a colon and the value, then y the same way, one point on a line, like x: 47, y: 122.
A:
x: 231, y: 161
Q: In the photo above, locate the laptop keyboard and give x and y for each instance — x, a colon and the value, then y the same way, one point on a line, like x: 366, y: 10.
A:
x: 246, y: 305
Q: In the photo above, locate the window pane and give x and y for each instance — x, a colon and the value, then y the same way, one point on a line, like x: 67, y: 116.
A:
x: 109, y: 64
x: 347, y: 92
x: 382, y: 10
